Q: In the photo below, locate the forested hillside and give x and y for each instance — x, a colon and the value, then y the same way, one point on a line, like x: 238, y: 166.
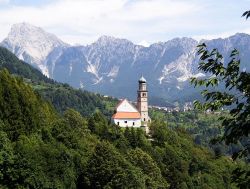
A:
x: 62, y: 96
x: 44, y: 144
x: 204, y: 128
x: 42, y: 149
x: 18, y: 67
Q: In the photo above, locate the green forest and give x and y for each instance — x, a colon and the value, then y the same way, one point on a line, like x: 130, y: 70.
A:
x: 203, y: 127
x: 54, y: 136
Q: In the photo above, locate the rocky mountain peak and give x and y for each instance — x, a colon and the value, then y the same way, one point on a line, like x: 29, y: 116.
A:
x: 109, y: 40
x: 31, y: 39
x: 32, y: 44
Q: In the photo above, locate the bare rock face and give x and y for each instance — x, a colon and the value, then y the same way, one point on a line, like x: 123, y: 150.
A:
x: 32, y: 44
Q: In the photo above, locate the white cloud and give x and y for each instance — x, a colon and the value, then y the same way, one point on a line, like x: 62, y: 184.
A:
x: 4, y: 1
x: 148, y: 10
x: 214, y: 36
x: 221, y: 35
x: 144, y: 43
x: 83, y: 21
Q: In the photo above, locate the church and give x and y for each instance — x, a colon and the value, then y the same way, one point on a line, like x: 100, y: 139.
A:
x: 127, y: 115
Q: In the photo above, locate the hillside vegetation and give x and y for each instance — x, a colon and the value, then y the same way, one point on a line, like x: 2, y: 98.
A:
x: 62, y: 96
x: 204, y: 128
x: 42, y: 149
x: 44, y: 143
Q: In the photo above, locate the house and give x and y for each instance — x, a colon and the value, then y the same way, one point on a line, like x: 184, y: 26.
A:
x: 127, y: 115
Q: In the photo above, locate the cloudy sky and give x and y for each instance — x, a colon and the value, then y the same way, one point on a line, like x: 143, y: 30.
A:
x: 141, y: 21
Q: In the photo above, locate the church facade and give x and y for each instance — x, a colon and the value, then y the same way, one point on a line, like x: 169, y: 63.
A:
x: 127, y: 115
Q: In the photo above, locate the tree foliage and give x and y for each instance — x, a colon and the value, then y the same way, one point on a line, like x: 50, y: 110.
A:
x: 22, y: 111
x: 40, y: 148
x: 109, y: 169
x: 62, y: 96
x: 15, y: 66
x: 235, y: 95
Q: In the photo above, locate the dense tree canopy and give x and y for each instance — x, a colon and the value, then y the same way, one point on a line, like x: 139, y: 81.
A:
x: 18, y: 67
x: 235, y: 95
x: 43, y: 149
x: 62, y: 96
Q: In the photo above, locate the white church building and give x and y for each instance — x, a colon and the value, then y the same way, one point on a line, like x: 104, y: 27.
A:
x: 127, y: 115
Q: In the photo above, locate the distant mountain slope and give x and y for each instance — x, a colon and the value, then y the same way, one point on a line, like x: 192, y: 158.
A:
x: 62, y: 96
x: 18, y: 67
x: 112, y: 66
x: 32, y: 44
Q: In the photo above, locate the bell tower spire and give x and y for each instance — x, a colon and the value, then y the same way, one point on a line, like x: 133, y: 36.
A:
x: 142, y: 101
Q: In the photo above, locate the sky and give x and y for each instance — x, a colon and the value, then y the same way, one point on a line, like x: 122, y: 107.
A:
x: 140, y: 21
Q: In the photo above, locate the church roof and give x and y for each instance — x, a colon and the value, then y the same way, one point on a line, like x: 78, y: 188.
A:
x: 125, y: 106
x: 121, y: 101
x: 125, y: 110
x: 126, y: 115
x: 142, y: 79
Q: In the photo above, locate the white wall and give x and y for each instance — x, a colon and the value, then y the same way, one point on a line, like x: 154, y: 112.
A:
x: 125, y: 106
x: 137, y: 122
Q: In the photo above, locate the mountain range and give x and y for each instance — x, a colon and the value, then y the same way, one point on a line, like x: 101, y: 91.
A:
x: 112, y: 66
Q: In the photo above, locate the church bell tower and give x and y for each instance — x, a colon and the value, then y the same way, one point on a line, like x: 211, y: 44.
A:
x: 142, y: 101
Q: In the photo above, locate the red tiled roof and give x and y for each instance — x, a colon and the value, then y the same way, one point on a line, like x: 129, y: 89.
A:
x: 126, y: 115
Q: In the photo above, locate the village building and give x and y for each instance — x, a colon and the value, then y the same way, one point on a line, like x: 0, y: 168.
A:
x: 127, y: 115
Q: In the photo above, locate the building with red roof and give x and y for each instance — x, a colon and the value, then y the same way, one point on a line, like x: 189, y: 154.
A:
x: 127, y: 115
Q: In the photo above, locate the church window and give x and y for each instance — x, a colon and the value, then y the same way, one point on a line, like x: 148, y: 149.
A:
x: 144, y: 119
x: 133, y: 123
x: 125, y: 121
x: 118, y: 123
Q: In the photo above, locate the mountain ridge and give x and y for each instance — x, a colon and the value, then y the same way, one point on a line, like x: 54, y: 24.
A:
x: 112, y: 65
x: 33, y: 49
x: 60, y: 95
